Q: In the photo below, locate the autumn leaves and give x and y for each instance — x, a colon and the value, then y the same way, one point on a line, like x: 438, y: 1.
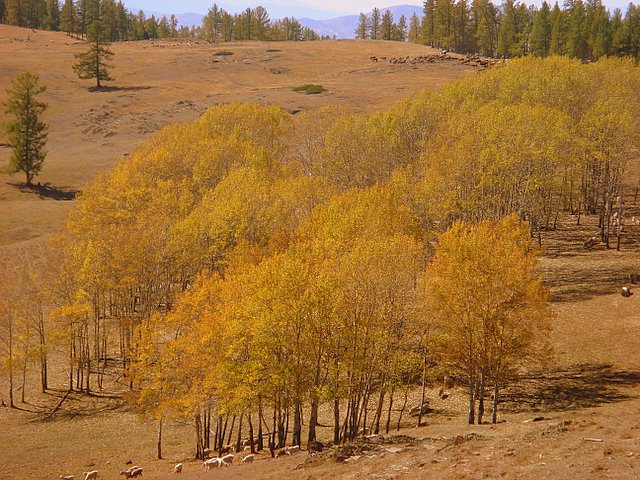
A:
x: 258, y: 262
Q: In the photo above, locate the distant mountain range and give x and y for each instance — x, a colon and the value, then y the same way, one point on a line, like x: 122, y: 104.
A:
x: 345, y: 26
x: 340, y: 27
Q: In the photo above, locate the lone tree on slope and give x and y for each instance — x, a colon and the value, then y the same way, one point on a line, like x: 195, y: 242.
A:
x: 27, y: 133
x: 92, y: 63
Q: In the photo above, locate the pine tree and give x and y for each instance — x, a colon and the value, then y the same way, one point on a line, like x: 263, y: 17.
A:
x: 374, y: 26
x: 52, y: 21
x: 577, y: 35
x: 92, y: 63
x: 508, y: 36
x: 428, y: 22
x: 400, y: 29
x: 541, y: 32
x: 386, y: 26
x: 414, y: 32
x: 68, y: 17
x: 27, y: 133
x: 362, y: 30
x: 558, y: 45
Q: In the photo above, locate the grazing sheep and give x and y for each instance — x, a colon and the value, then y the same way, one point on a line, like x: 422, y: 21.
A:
x: 227, y: 459
x: 92, y: 475
x: 293, y: 449
x: 248, y: 458
x: 589, y: 244
x: 212, y: 462
x: 280, y: 452
x: 177, y: 468
x: 127, y: 473
x: 626, y: 292
x: 136, y: 473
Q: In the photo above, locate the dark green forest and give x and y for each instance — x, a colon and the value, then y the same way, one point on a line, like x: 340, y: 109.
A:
x: 71, y: 17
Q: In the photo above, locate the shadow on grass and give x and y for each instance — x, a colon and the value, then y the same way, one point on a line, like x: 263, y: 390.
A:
x: 582, y: 386
x: 47, y: 191
x: 113, y: 88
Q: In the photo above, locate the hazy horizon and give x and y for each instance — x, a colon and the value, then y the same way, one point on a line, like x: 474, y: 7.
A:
x: 317, y: 9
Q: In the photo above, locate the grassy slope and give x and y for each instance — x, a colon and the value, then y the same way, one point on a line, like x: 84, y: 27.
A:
x: 173, y: 81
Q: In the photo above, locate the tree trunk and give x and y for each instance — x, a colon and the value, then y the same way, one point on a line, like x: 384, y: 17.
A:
x: 404, y: 405
x: 251, y: 442
x: 336, y: 421
x: 239, y: 437
x: 160, y: 439
x: 424, y: 389
x: 10, y: 341
x: 199, y: 444
x: 386, y: 428
x: 313, y: 420
x: 297, y: 424
x: 480, y: 395
x: 472, y: 401
x: 260, y: 440
x: 375, y: 425
x: 496, y: 390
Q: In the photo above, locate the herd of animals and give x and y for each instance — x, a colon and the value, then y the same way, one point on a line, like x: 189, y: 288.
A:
x: 224, y: 461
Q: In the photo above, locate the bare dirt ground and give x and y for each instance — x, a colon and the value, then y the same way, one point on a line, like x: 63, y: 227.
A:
x: 587, y: 404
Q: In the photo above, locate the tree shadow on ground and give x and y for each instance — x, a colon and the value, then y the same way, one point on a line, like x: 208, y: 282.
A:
x: 45, y: 190
x: 113, y: 88
x: 582, y: 386
x: 80, y: 404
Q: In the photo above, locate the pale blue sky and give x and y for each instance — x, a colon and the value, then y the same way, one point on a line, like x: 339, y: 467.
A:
x: 318, y: 9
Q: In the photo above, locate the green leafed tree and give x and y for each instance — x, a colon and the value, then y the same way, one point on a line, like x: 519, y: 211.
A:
x: 93, y: 62
x: 540, y: 40
x: 27, y: 133
x: 362, y: 30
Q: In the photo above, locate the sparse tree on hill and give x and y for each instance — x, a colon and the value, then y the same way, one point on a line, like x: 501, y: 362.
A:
x: 414, y: 29
x: 374, y: 24
x: 362, y: 30
x: 27, y: 133
x: 386, y: 25
x: 92, y: 63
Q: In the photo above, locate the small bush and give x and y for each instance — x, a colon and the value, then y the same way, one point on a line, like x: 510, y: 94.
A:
x: 310, y: 89
x: 221, y: 53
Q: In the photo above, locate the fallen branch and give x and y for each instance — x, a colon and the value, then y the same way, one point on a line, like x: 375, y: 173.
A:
x: 52, y: 412
x: 589, y: 439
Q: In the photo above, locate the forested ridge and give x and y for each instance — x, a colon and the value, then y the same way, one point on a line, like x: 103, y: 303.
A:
x: 254, y: 265
x: 74, y: 17
x: 579, y: 29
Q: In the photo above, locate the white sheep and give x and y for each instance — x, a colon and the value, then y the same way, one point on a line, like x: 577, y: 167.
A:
x: 127, y: 473
x: 177, y: 468
x: 227, y: 459
x: 248, y: 458
x: 136, y: 473
x: 92, y: 475
x: 626, y: 292
x: 291, y: 450
x: 212, y: 462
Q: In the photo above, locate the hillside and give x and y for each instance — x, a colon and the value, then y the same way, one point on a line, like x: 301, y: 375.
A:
x: 573, y: 413
x: 163, y: 82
